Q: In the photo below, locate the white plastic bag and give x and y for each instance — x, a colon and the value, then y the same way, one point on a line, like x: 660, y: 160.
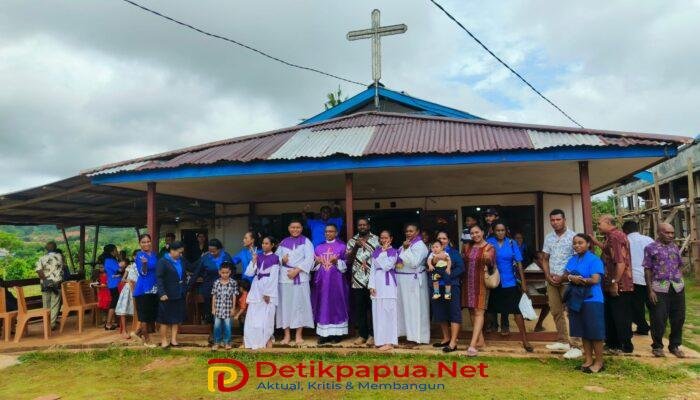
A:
x: 526, y: 308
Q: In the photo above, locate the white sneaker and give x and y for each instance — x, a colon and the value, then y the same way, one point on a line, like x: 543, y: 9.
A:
x: 557, y: 346
x: 573, y: 353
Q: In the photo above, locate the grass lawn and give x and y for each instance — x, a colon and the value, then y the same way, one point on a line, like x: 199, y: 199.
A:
x: 177, y: 374
x: 691, y: 329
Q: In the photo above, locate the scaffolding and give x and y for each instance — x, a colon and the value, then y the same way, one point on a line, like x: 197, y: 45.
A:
x: 667, y: 194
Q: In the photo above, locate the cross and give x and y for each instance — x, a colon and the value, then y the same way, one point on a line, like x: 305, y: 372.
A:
x: 326, y: 257
x: 375, y: 33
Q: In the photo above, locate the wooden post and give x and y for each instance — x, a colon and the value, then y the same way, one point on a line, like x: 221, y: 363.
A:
x: 657, y: 195
x: 81, y: 251
x: 151, y: 216
x: 693, y: 224
x: 586, y: 203
x: 539, y: 212
x: 95, y: 243
x: 349, y: 222
x: 70, y: 253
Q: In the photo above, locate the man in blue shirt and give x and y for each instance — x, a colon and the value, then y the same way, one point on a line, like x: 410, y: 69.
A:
x: 317, y: 226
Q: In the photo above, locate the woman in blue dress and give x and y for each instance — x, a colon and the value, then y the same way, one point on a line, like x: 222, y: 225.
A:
x: 448, y: 313
x: 246, y: 254
x: 170, y: 278
x: 108, y: 259
x: 145, y: 291
x: 505, y: 299
x: 584, y: 302
x: 207, y: 272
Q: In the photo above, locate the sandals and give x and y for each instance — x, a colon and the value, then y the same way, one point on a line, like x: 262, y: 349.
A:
x: 588, y: 370
x: 472, y: 352
x: 528, y: 348
x: 448, y: 349
x: 438, y: 344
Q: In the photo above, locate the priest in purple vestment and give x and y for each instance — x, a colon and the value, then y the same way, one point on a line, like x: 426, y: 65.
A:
x: 330, y: 290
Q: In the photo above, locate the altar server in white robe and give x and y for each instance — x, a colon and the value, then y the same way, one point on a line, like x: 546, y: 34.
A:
x: 413, y: 299
x: 383, y: 291
x: 294, y: 311
x: 262, y: 298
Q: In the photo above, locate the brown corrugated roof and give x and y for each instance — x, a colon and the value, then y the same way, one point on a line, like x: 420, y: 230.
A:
x: 395, y: 133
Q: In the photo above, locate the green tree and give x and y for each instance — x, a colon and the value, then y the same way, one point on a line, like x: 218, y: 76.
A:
x: 601, y: 207
x: 9, y: 242
x: 334, y: 98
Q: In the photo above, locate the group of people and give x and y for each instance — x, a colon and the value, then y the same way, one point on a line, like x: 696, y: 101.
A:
x: 599, y: 293
x: 395, y: 292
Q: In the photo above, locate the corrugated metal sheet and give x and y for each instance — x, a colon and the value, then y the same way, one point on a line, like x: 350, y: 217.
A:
x: 362, y: 119
x: 544, y: 140
x: 444, y: 137
x: 381, y: 133
x: 260, y: 148
x: 122, y: 168
x: 624, y: 141
x: 323, y: 143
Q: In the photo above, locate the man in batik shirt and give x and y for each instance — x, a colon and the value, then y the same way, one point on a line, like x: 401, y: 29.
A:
x: 618, y: 286
x: 50, y: 271
x: 662, y: 270
x: 359, y: 250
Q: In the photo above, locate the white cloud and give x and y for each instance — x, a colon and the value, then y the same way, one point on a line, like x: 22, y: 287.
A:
x: 86, y: 83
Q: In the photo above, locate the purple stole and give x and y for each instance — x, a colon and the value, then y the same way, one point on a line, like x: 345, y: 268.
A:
x: 390, y: 252
x: 415, y: 240
x: 265, y: 261
x: 292, y: 243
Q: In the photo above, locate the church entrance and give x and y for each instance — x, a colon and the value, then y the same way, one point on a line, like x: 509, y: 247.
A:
x: 394, y: 221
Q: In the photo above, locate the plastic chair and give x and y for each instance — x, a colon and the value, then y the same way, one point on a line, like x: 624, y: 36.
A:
x: 89, y: 299
x: 72, y: 301
x: 24, y: 315
x: 7, y: 317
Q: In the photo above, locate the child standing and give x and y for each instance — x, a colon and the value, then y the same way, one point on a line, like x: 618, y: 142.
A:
x: 383, y: 290
x: 125, y: 304
x: 223, y: 298
x: 104, y: 297
x: 440, y: 263
x: 244, y: 288
x: 262, y: 298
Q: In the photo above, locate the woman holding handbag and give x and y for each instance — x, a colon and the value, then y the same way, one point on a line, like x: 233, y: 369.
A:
x: 479, y: 259
x: 505, y: 298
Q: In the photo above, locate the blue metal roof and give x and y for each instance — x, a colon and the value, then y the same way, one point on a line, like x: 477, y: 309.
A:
x: 367, y: 96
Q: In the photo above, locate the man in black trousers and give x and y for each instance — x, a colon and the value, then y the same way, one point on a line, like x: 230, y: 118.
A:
x: 662, y: 270
x: 359, y: 250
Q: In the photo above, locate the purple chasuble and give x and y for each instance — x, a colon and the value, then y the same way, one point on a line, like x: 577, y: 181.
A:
x: 329, y: 298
